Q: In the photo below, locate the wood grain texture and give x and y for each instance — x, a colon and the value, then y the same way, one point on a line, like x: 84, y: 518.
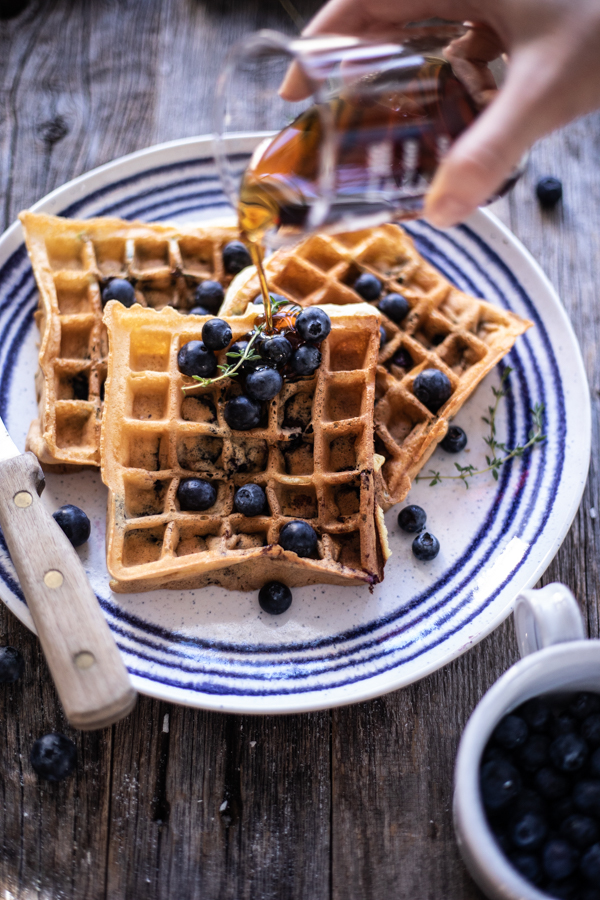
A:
x: 348, y: 804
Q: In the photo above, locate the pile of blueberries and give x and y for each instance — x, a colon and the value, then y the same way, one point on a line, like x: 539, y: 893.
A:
x: 540, y: 786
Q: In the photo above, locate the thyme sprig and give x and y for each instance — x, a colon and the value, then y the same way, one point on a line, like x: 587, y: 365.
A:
x: 494, y: 461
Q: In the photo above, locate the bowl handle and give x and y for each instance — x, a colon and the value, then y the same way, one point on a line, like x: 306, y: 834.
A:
x: 547, y: 616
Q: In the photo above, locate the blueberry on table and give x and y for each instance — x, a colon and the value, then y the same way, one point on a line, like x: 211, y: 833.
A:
x: 196, y: 494
x: 528, y: 831
x: 559, y: 859
x: 568, y: 752
x: 236, y: 257
x: 549, y: 191
x: 275, y: 598
x: 313, y: 324
x: 425, y: 547
x: 432, y: 388
x: 298, y: 537
x: 216, y: 334
x: 581, y: 831
x: 275, y: 349
x: 250, y: 500
x: 264, y: 383
x: 53, y: 756
x: 455, y: 440
x: 210, y: 295
x: 74, y: 523
x: 394, y: 306
x: 412, y: 519
x: 306, y: 360
x: 242, y: 413
x: 368, y: 286
x: 500, y: 785
x: 510, y: 732
x: 195, y: 358
x: 12, y: 665
x: 121, y: 290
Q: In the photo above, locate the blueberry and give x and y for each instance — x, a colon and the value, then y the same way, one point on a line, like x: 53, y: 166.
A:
x: 534, y: 753
x: 590, y: 729
x: 53, y: 756
x: 595, y: 763
x: 264, y: 383
x: 528, y: 865
x: 511, y: 732
x: 199, y: 311
x: 382, y: 336
x: 12, y: 665
x: 425, y: 546
x: 275, y: 349
x: 550, y: 783
x: 195, y: 358
x: 590, y: 863
x: 561, y: 810
x: 536, y: 713
x: 235, y: 257
x: 313, y: 324
x: 586, y: 797
x: 306, y: 360
x: 500, y: 785
x: 196, y: 494
x: 528, y: 831
x: 250, y: 500
x: 121, y: 290
x: 394, y: 306
x: 584, y: 704
x: 455, y: 440
x: 210, y: 295
x: 74, y: 523
x: 568, y: 752
x: 432, y: 388
x: 581, y: 831
x: 275, y: 598
x: 242, y: 413
x: 368, y: 286
x: 412, y: 519
x: 216, y: 334
x: 298, y: 537
x: 562, y: 724
x: 492, y: 753
x: 233, y: 357
x: 402, y: 359
x: 559, y: 859
x: 549, y: 191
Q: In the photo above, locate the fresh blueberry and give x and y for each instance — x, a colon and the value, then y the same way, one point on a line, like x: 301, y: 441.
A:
x: 250, y: 500
x: 455, y: 440
x: 581, y: 831
x: 368, y: 286
x: 559, y: 859
x: 306, y: 360
x: 425, y: 546
x: 216, y: 334
x: 210, y: 295
x: 313, y: 324
x: 412, y: 519
x: 595, y: 763
x: 121, y: 290
x: 536, y: 713
x: 74, y: 523
x: 432, y: 388
x: 534, y: 753
x: 402, y: 359
x: 275, y: 349
x: 195, y: 358
x: 590, y: 863
x: 550, y: 783
x: 233, y: 357
x: 590, y: 729
x: 199, y: 311
x: 528, y: 831
x: 500, y: 785
x: 196, y: 494
x: 264, y: 383
x: 584, y: 704
x: 568, y: 752
x: 586, y: 797
x: 394, y: 306
x: 53, y: 756
x: 12, y: 665
x: 382, y: 336
x: 242, y: 413
x: 235, y: 257
x: 549, y: 191
x: 528, y: 865
x: 298, y: 537
x: 275, y: 598
x: 511, y: 732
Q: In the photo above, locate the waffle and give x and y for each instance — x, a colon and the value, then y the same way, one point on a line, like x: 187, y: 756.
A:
x: 445, y: 329
x: 71, y: 260
x: 313, y: 453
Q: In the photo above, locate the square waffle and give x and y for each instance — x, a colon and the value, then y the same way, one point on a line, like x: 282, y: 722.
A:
x: 71, y: 261
x: 445, y: 329
x: 313, y: 454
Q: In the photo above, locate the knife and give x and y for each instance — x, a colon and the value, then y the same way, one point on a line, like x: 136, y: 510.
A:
x: 84, y: 661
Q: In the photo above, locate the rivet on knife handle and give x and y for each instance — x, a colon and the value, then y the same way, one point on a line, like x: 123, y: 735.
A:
x: 85, y: 663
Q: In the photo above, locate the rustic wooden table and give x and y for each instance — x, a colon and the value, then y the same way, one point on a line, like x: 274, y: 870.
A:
x: 351, y: 803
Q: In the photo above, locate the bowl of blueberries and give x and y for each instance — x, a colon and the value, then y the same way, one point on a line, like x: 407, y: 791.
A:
x: 527, y: 777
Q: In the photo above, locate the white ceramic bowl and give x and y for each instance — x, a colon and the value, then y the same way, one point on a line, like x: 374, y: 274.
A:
x: 557, y: 659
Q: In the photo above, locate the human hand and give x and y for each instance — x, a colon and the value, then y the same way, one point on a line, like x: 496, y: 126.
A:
x: 553, y: 76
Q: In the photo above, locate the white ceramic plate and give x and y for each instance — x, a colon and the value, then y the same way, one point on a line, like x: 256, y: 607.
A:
x: 215, y: 649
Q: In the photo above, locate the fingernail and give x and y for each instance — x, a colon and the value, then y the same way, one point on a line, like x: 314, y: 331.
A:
x: 446, y: 211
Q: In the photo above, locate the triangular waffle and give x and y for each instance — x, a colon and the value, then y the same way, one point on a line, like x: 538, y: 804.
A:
x: 313, y: 454
x: 71, y: 261
x: 445, y: 329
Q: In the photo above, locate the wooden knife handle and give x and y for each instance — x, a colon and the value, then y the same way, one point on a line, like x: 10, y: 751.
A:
x: 89, y: 674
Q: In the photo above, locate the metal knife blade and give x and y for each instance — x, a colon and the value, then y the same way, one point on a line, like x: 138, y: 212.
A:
x: 8, y: 448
